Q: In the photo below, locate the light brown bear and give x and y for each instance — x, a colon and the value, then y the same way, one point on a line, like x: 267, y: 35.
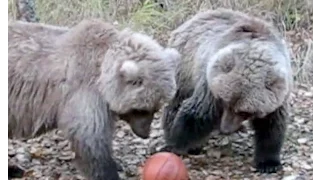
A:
x: 234, y: 68
x: 81, y: 80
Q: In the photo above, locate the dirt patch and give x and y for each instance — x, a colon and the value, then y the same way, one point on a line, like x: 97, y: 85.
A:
x: 225, y: 157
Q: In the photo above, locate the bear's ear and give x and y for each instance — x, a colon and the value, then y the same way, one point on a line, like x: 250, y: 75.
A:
x: 129, y: 71
x: 275, y: 82
x: 255, y: 29
x: 172, y: 56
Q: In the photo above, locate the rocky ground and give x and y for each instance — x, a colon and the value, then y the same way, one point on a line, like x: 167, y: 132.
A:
x: 49, y: 156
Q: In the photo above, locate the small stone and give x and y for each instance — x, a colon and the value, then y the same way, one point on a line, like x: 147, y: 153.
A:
x: 287, y: 168
x: 66, y: 156
x: 33, y: 140
x: 36, y: 162
x: 302, y: 140
x: 239, y: 163
x: 237, y: 172
x: 215, y: 154
x: 224, y: 141
x: 291, y: 177
x: 63, y: 144
x: 295, y: 164
x: 57, y: 137
x: 121, y: 134
x: 299, y: 120
x: 11, y: 146
x: 308, y: 94
x: 11, y: 152
x: 306, y: 166
x: 29, y: 173
x: 33, y: 150
x: 252, y: 169
x: 23, y: 158
x: 186, y: 161
x: 211, y: 177
x: 21, y: 150
x: 37, y: 154
x: 217, y: 172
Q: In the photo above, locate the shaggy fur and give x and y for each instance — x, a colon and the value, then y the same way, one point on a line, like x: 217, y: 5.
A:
x: 234, y: 68
x: 81, y: 80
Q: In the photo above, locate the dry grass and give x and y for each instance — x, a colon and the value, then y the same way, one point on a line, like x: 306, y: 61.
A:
x: 293, y: 16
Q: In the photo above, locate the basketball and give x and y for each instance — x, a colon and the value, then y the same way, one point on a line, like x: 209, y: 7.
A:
x: 164, y: 166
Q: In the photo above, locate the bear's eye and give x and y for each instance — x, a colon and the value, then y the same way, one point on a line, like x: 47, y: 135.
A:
x: 226, y: 69
x: 227, y: 65
x: 137, y: 82
x: 245, y: 115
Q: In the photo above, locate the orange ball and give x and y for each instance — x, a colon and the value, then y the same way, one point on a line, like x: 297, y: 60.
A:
x: 164, y: 166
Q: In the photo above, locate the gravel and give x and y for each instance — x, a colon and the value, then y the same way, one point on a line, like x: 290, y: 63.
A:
x: 225, y: 157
